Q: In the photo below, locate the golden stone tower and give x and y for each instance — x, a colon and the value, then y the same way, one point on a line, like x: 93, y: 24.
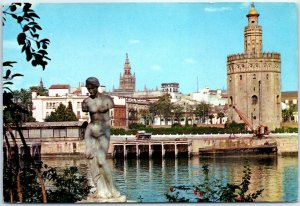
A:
x: 253, y: 80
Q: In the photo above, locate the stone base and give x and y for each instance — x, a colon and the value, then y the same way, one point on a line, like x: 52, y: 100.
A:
x: 122, y: 198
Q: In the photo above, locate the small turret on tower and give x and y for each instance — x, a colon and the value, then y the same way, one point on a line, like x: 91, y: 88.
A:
x: 253, y: 33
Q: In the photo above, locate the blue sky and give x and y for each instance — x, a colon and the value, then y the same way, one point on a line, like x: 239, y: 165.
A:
x: 166, y: 42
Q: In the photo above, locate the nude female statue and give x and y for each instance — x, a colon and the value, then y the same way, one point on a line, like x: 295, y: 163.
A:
x: 97, y: 138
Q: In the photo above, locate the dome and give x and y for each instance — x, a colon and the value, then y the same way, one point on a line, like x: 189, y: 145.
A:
x: 252, y: 11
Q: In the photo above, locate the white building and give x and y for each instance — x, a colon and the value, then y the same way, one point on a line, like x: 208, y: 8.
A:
x: 212, y: 97
x: 42, y: 106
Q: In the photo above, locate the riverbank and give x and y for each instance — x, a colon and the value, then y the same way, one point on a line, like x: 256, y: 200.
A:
x: 286, y: 144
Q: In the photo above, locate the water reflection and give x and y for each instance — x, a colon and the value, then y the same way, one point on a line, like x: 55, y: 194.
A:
x: 151, y: 178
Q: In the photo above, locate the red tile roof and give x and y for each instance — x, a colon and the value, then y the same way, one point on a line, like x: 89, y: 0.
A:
x: 59, y: 86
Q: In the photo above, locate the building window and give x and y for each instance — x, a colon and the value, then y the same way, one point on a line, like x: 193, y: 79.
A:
x: 254, y: 76
x: 254, y: 89
x: 241, y: 77
x: 254, y: 99
x: 267, y: 76
x: 231, y: 101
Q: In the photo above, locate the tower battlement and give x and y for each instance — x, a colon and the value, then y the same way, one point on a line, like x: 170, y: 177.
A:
x: 243, y: 56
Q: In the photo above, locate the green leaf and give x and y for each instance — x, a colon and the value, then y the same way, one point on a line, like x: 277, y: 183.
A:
x: 14, y: 16
x: 34, y: 15
x: 16, y: 75
x: 38, y: 44
x: 20, y: 19
x: 7, y: 83
x: 28, y: 54
x: 8, y: 63
x: 13, y: 8
x: 21, y: 38
x: 8, y: 72
x: 25, y: 28
x: 26, y: 7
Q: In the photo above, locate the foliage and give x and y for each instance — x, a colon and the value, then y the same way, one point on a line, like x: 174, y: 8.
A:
x: 62, y: 114
x: 215, y: 190
x: 286, y: 130
x: 41, y: 91
x: 178, y: 113
x: 28, y: 38
x: 163, y: 107
x: 288, y: 113
x: 220, y: 116
x: 146, y: 116
x: 176, y: 129
x: 136, y: 126
x: 238, y: 127
x: 202, y: 110
x: 70, y: 185
x: 23, y: 99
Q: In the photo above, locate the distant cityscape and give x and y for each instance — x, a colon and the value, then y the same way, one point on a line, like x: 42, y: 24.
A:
x: 253, y: 82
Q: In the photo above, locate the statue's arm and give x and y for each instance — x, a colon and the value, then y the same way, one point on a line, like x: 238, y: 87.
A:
x: 84, y: 106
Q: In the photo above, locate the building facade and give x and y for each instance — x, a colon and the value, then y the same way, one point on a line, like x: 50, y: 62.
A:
x: 42, y: 106
x: 253, y: 80
x: 127, y: 81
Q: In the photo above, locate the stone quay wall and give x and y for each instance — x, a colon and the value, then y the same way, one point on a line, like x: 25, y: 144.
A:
x: 287, y: 143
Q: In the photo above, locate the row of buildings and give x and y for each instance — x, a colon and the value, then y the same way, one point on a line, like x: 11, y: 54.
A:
x: 253, y: 87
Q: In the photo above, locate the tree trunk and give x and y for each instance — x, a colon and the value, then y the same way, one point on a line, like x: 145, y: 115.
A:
x: 37, y: 171
x: 11, y: 196
x: 17, y: 164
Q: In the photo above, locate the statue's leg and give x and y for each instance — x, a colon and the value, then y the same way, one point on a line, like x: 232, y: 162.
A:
x: 102, y: 155
x: 89, y: 143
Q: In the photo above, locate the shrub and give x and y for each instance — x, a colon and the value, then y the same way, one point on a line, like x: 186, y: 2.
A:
x: 214, y: 190
x: 136, y: 126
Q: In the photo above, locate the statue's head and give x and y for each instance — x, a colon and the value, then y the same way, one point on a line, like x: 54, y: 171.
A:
x: 92, y: 85
x: 93, y: 81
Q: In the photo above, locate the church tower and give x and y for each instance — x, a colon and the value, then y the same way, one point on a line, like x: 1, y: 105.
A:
x: 253, y: 80
x: 127, y: 80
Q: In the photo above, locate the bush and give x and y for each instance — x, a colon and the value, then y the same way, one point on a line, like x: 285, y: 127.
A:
x: 176, y: 125
x: 286, y: 130
x: 69, y: 185
x: 214, y: 190
x: 136, y: 126
x: 176, y: 129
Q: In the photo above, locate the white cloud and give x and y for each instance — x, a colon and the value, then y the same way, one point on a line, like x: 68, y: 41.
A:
x: 155, y: 67
x: 215, y: 9
x: 245, y: 5
x: 190, y: 61
x: 10, y: 44
x: 134, y: 41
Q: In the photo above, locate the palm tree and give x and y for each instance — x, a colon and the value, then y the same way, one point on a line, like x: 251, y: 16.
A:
x: 202, y: 110
x: 211, y: 116
x: 178, y: 112
x: 220, y: 115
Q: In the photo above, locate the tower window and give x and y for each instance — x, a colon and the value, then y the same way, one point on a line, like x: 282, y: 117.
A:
x: 252, y: 22
x: 231, y: 101
x: 254, y: 99
x: 254, y: 89
x: 267, y: 76
x: 241, y: 77
x: 254, y: 76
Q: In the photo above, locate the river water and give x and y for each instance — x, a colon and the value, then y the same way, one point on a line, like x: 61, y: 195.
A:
x: 148, y: 180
